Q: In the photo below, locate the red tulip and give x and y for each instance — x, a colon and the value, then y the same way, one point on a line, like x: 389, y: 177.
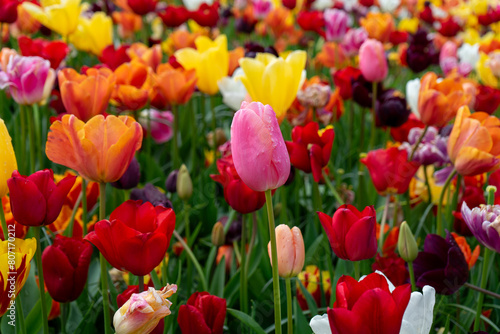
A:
x: 8, y: 11
x: 401, y: 133
x: 393, y: 267
x: 142, y: 7
x: 487, y: 99
x: 174, y: 16
x: 65, y: 267
x: 343, y: 80
x: 312, y: 21
x: 351, y: 233
x: 53, y: 51
x: 36, y: 200
x: 206, y: 15
x: 113, y: 58
x: 310, y: 148
x: 449, y: 27
x: 368, y: 306
x: 390, y: 170
x: 136, y: 236
x: 203, y: 314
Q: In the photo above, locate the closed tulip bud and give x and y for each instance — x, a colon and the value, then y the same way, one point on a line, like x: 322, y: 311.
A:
x: 171, y: 182
x: 218, y: 237
x: 372, y: 62
x: 184, y: 184
x: 291, y: 251
x: 407, y: 246
x: 7, y: 158
x: 131, y: 177
x: 142, y: 312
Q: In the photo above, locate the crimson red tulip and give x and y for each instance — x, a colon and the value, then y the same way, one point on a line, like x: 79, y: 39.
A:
x: 174, y: 16
x: 487, y: 99
x: 142, y: 7
x: 393, y: 267
x: 113, y: 58
x: 65, y: 267
x: 203, y: 314
x: 449, y: 27
x: 351, y: 233
x: 401, y: 133
x: 368, y: 306
x: 237, y: 194
x: 390, y: 170
x: 36, y: 200
x: 343, y: 80
x: 136, y: 236
x: 310, y: 148
x: 53, y: 51
x: 312, y: 21
x: 206, y: 15
x: 8, y: 11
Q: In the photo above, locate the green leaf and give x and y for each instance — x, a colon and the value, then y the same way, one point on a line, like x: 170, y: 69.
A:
x: 219, y: 279
x: 301, y: 325
x: 311, y: 303
x: 34, y: 318
x: 246, y: 320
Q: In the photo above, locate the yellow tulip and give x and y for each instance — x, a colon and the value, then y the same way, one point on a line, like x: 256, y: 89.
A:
x: 274, y: 80
x: 60, y: 16
x: 94, y: 34
x: 14, y: 272
x: 7, y: 158
x: 409, y: 25
x: 210, y: 60
x: 488, y: 68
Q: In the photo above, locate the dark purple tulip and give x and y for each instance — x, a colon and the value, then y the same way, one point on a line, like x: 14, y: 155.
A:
x: 171, y: 182
x: 441, y: 265
x: 150, y: 194
x: 483, y: 222
x: 392, y: 109
x: 130, y: 178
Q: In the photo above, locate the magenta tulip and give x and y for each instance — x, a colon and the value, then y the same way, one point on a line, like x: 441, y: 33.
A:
x: 372, y: 62
x: 259, y: 152
x: 336, y: 24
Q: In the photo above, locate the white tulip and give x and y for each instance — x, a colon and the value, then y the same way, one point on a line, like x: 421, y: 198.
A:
x: 233, y: 90
x: 412, y: 93
x: 469, y: 54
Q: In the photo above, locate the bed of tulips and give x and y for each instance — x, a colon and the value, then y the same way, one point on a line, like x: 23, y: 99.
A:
x: 250, y: 166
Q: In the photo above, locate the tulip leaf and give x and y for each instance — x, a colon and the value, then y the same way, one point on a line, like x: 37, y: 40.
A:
x: 34, y: 318
x: 301, y: 325
x: 219, y: 279
x: 7, y: 328
x: 246, y: 320
x: 311, y: 303
x: 485, y: 319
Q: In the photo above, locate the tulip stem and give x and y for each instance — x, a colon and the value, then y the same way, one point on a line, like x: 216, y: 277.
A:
x: 175, y: 147
x: 4, y: 224
x: 31, y: 126
x: 22, y: 119
x: 64, y: 316
x: 36, y: 123
x: 104, y: 266
x: 415, y: 148
x: 193, y: 259
x: 141, y: 283
x: 243, y: 274
x: 289, y: 305
x: 440, y: 230
x: 382, y: 223
x: 332, y: 188
x: 374, y: 125
x: 486, y: 292
x: 274, y: 257
x: 427, y: 183
x: 84, y: 207
x: 41, y: 285
x: 69, y: 230
x: 19, y: 310
x: 412, y: 276
x: 357, y: 270
x: 484, y: 280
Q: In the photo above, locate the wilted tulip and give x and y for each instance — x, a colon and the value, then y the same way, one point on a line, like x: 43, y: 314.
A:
x: 259, y: 152
x: 291, y: 251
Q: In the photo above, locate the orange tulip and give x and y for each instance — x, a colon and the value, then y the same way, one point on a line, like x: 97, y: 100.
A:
x: 148, y: 56
x: 438, y: 102
x: 99, y: 150
x: 234, y: 58
x: 176, y: 84
x: 180, y: 39
x: 470, y: 256
x: 131, y: 90
x: 86, y: 95
x: 378, y: 25
x: 328, y: 58
x: 128, y: 23
x: 474, y: 144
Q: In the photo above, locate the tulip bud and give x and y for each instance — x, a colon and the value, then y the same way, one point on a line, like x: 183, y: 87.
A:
x: 130, y: 178
x: 407, y: 246
x: 171, y: 182
x: 7, y: 158
x: 218, y: 236
x: 184, y: 184
x: 291, y: 250
x: 142, y: 312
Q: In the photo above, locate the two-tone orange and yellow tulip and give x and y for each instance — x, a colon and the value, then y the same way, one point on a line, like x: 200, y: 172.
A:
x: 474, y: 143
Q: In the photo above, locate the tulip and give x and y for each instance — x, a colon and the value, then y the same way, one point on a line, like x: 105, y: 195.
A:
x: 24, y: 251
x: 60, y: 16
x: 143, y: 311
x: 261, y: 9
x: 131, y: 89
x: 233, y: 90
x: 259, y: 152
x: 128, y: 24
x: 336, y: 24
x: 291, y: 251
x: 174, y: 16
x: 487, y: 99
x: 113, y: 58
x: 474, y: 144
x: 438, y: 102
x: 372, y: 62
x: 218, y: 236
x: 142, y: 7
x: 7, y: 158
x: 158, y: 124
x: 53, y: 51
x: 29, y: 79
x: 353, y: 39
x: 65, y: 266
x: 86, y: 95
x: 263, y: 74
x: 206, y: 15
x: 344, y: 78
x: 8, y: 11
x: 99, y: 150
x: 310, y: 21
x: 203, y: 313
x: 378, y: 25
x: 176, y: 84
x: 332, y: 55
x: 130, y: 179
x: 351, y: 233
x: 150, y: 194
x: 431, y: 147
x: 44, y: 197
x: 152, y: 57
x: 19, y: 230
x: 407, y: 245
x: 310, y: 148
x: 310, y: 279
x: 184, y: 185
x: 136, y: 236
x: 210, y: 60
x: 393, y: 267
x: 390, y: 170
x: 482, y: 223
x: 93, y: 34
x: 441, y: 265
x: 391, y: 109
x: 389, y: 5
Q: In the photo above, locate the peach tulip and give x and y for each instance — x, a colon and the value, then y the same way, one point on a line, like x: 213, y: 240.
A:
x: 176, y: 84
x: 99, y: 150
x: 259, y: 152
x: 291, y: 251
x: 474, y: 144
x: 372, y: 62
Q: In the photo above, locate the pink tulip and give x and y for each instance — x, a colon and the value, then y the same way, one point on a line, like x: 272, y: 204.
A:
x: 261, y: 8
x: 372, y: 62
x: 291, y: 251
x: 353, y: 40
x: 158, y: 124
x: 259, y: 152
x: 336, y: 24
x: 29, y: 79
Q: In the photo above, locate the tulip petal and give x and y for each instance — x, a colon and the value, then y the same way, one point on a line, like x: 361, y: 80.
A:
x: 23, y: 191
x: 191, y: 321
x: 360, y: 240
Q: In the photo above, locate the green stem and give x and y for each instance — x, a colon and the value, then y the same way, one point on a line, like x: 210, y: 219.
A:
x: 316, y: 196
x: 412, y: 276
x: 175, y: 144
x: 440, y: 229
x: 427, y: 183
x: 104, y: 265
x: 69, y: 230
x: 274, y: 256
x: 38, y: 134
x: 374, y: 125
x: 382, y: 223
x: 194, y: 134
x: 31, y: 126
x: 141, y: 283
x: 84, y: 207
x: 4, y: 224
x: 22, y: 117
x: 357, y: 270
x: 20, y: 314
x: 289, y: 305
x: 214, y: 127
x: 362, y: 134
x: 64, y: 316
x: 243, y: 276
x: 418, y: 143
x: 332, y: 188
x: 41, y: 285
x: 194, y: 260
x: 484, y: 280
x: 187, y: 228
